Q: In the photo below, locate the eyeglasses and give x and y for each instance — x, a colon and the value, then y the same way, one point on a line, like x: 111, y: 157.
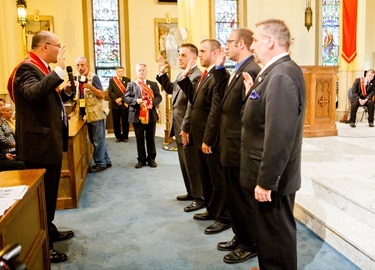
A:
x: 229, y: 41
x: 56, y: 45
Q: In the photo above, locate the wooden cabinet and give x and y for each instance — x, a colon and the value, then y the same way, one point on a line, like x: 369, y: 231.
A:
x: 25, y: 222
x: 75, y: 164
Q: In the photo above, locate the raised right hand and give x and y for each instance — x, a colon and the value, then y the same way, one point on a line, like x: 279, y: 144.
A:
x: 220, y: 60
x: 161, y: 64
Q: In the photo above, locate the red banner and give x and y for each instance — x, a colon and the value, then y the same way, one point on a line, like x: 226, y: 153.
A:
x: 349, y: 30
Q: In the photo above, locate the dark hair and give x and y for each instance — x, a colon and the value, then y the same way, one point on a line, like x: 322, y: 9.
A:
x: 246, y: 35
x: 190, y: 46
x: 214, y: 44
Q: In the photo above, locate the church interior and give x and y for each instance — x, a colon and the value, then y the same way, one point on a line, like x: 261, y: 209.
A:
x: 336, y: 202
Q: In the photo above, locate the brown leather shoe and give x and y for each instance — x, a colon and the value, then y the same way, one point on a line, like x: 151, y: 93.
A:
x: 195, y: 205
x: 229, y: 245
x: 203, y: 216
x: 57, y: 256
x: 239, y: 255
x: 186, y: 197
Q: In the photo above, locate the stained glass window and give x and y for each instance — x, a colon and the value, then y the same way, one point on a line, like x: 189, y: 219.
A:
x: 330, y: 32
x: 226, y: 20
x: 106, y: 38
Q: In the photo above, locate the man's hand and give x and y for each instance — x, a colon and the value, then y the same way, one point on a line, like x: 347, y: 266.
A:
x: 185, y: 137
x: 118, y: 101
x: 220, y: 60
x: 206, y: 149
x: 362, y: 102
x: 248, y: 81
x: 61, y: 57
x: 262, y: 195
x: 9, y: 156
x: 161, y: 65
x: 187, y: 70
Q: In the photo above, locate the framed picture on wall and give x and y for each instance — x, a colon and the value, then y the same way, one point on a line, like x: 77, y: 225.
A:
x: 162, y: 27
x: 36, y: 23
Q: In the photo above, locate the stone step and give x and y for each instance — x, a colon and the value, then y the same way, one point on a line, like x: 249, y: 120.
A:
x: 348, y: 235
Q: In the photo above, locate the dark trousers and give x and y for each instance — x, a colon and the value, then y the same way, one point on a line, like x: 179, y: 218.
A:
x: 142, y: 132
x: 188, y: 156
x: 120, y: 123
x: 51, y: 187
x: 11, y: 165
x: 239, y: 206
x: 354, y: 108
x: 214, y: 186
x: 275, y: 230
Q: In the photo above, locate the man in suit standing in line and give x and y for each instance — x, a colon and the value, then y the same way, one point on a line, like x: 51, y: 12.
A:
x: 242, y: 246
x: 271, y: 137
x: 362, y: 93
x: 143, y: 97
x: 180, y: 129
x: 205, y: 127
x: 120, y: 110
x: 41, y: 122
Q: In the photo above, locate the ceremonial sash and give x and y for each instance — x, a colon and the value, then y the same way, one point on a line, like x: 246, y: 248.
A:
x: 147, y: 96
x: 34, y: 60
x: 363, y: 87
x: 119, y: 84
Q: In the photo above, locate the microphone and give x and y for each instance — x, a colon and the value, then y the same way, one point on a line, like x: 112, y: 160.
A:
x: 71, y: 78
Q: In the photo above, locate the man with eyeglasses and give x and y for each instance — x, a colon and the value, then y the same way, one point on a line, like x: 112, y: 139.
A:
x: 242, y: 246
x: 41, y: 123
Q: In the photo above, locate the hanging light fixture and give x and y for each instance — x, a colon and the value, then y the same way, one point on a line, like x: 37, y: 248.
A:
x: 308, y: 15
x: 21, y: 12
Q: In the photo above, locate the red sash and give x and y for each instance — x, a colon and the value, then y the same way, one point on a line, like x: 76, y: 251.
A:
x: 363, y: 87
x: 119, y: 84
x: 34, y: 60
x: 147, y: 96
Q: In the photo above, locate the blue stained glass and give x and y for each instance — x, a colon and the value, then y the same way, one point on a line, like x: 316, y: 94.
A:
x: 106, y: 38
x: 330, y: 32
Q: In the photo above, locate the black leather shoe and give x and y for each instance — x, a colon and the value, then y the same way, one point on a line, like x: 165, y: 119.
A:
x: 97, y: 168
x: 63, y: 235
x: 352, y: 125
x: 217, y: 227
x: 140, y: 164
x: 371, y: 124
x: 152, y: 164
x: 195, y: 205
x: 57, y: 256
x: 109, y: 165
x: 186, y: 197
x: 203, y: 216
x: 229, y: 245
x: 239, y: 255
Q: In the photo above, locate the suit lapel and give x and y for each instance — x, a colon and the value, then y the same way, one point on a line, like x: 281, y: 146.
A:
x: 261, y: 77
x: 209, y: 74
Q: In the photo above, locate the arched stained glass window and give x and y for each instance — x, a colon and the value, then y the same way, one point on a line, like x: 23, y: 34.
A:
x: 330, y: 32
x: 226, y: 20
x: 106, y: 38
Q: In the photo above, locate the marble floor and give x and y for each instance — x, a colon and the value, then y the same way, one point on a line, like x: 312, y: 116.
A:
x: 337, y: 198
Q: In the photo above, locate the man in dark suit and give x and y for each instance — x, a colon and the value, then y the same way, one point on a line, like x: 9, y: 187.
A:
x: 120, y: 110
x: 205, y: 127
x: 180, y: 128
x: 271, y: 137
x: 363, y: 90
x: 237, y: 49
x: 41, y: 123
x: 143, y: 97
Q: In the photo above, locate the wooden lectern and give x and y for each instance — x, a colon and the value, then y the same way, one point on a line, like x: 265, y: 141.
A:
x: 320, y: 100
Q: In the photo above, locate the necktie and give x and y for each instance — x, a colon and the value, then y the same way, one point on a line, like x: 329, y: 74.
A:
x: 202, y: 78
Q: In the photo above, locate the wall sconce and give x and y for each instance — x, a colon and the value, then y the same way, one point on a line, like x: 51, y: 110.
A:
x: 21, y: 12
x: 308, y: 15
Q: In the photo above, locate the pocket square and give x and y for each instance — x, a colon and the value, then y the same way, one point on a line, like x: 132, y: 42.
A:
x: 254, y: 95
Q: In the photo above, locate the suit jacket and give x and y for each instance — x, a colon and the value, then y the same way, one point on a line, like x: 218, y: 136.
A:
x: 272, y: 129
x: 114, y: 93
x: 180, y: 103
x: 41, y: 132
x: 205, y: 110
x: 233, y: 97
x: 133, y: 92
x: 357, y: 91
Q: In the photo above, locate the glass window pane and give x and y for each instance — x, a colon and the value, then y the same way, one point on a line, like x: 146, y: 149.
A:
x: 330, y: 32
